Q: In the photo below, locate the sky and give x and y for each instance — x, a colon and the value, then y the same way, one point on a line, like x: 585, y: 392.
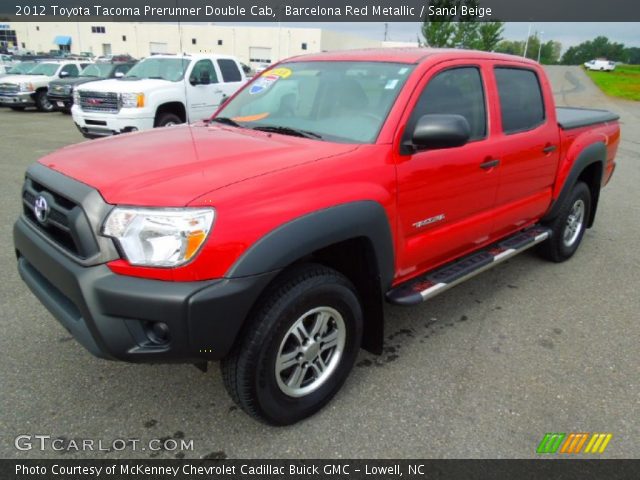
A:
x: 566, y: 33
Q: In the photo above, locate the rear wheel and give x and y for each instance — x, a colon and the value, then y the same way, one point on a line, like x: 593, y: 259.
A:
x: 42, y: 102
x: 168, y: 120
x: 298, y: 348
x: 568, y: 228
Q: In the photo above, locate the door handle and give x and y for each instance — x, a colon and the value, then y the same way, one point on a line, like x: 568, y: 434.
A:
x: 488, y: 164
x: 549, y: 148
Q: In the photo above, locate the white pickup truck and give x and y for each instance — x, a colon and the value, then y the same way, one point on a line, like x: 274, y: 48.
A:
x: 159, y: 91
x: 30, y: 89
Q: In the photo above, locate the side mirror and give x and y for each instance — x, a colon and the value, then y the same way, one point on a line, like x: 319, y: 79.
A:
x: 119, y: 75
x: 64, y: 74
x: 440, y: 131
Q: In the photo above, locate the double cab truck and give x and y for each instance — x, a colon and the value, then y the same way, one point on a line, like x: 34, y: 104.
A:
x: 159, y: 91
x: 30, y: 89
x: 60, y: 92
x: 270, y: 236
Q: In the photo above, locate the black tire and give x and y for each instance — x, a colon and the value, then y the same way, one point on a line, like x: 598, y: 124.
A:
x: 42, y: 102
x: 168, y: 119
x: 558, y: 247
x: 249, y: 372
x: 17, y: 109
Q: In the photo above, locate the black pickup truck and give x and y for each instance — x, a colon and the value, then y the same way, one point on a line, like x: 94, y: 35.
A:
x: 61, y: 91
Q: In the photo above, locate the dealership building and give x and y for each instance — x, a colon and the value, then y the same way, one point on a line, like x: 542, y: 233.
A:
x: 253, y: 45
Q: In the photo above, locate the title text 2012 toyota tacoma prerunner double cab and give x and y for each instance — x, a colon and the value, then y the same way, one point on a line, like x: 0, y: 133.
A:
x: 269, y: 236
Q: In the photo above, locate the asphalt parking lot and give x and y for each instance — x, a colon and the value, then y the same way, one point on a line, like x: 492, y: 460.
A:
x: 484, y: 370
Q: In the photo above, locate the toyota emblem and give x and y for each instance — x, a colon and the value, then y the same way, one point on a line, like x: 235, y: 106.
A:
x: 41, y: 209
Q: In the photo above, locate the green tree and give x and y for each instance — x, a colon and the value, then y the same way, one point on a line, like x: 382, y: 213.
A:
x: 599, y: 47
x: 632, y: 55
x: 461, y: 31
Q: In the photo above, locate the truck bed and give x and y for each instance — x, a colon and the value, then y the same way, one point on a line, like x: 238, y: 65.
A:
x: 570, y: 117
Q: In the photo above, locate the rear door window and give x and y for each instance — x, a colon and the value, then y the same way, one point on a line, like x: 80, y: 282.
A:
x: 230, y: 71
x: 521, y: 101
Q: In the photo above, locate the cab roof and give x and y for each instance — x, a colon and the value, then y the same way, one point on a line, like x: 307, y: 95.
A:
x: 411, y: 55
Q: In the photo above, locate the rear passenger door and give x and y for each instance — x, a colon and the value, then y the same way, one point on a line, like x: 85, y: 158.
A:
x: 446, y: 196
x: 528, y: 143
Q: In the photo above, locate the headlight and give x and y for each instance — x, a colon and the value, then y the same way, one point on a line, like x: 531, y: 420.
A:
x: 68, y: 89
x: 159, y: 237
x: 26, y: 87
x: 132, y: 100
x: 76, y: 97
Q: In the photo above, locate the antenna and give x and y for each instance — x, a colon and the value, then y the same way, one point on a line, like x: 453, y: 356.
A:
x: 386, y: 32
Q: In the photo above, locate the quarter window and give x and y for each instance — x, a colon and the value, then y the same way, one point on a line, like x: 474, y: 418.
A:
x: 455, y: 91
x: 521, y: 100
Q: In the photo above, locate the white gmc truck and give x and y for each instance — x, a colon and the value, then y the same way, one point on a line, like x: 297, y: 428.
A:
x: 30, y: 89
x: 159, y: 91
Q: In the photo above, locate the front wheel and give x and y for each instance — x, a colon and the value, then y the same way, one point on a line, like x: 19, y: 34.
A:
x: 298, y: 347
x: 568, y: 228
x: 42, y: 102
x: 168, y: 120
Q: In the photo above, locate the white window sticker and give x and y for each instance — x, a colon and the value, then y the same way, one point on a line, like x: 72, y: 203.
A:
x: 391, y: 84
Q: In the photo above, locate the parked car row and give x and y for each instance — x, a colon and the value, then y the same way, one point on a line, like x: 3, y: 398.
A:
x: 119, y: 95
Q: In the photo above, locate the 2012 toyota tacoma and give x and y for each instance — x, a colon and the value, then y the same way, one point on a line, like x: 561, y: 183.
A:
x: 269, y: 236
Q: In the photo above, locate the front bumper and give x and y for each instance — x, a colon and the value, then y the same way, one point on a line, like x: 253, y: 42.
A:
x: 111, y: 315
x: 23, y: 99
x: 61, y: 102
x: 96, y: 124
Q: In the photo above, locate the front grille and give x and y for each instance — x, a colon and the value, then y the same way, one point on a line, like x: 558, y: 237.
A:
x: 99, y: 102
x: 6, y: 88
x: 66, y: 223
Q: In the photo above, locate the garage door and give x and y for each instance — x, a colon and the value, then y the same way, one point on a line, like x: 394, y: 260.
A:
x: 259, y: 55
x: 157, y: 47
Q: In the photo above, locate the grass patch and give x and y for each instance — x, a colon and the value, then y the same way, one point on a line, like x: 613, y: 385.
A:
x: 623, y: 82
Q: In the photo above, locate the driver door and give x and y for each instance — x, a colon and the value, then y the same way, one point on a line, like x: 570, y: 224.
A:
x: 446, y: 196
x: 203, y: 91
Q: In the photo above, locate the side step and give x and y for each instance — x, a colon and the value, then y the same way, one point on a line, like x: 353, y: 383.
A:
x: 437, y: 281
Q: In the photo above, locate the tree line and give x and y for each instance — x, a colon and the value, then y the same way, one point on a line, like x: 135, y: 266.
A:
x: 450, y: 31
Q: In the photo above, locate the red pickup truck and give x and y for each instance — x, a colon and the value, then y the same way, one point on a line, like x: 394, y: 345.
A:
x: 269, y: 236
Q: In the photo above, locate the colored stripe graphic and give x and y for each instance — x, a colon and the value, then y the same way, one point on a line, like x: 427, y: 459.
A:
x: 574, y: 443
x: 551, y: 442
x: 598, y: 443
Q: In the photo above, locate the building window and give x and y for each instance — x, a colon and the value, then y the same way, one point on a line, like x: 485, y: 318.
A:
x: 124, y: 38
x: 304, y: 46
x: 193, y: 41
x: 219, y: 42
x: 37, y: 28
x: 98, y: 30
x: 23, y: 45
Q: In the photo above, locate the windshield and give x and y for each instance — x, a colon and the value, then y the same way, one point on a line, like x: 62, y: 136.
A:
x: 339, y: 101
x: 48, y: 69
x: 171, y: 69
x: 21, y: 68
x: 101, y: 70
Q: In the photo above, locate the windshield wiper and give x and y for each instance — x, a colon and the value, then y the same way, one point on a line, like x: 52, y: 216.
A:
x: 226, y: 121
x: 288, y: 131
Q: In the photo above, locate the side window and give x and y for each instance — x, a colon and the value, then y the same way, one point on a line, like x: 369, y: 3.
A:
x: 229, y: 70
x: 71, y: 70
x: 202, y: 68
x: 455, y: 91
x: 521, y: 100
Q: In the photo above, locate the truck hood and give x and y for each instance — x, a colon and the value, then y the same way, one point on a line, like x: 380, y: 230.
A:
x: 35, y: 79
x: 121, y: 86
x: 173, y: 166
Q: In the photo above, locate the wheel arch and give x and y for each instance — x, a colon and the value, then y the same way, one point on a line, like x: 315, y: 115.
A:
x: 589, y: 168
x: 354, y: 238
x: 176, y: 107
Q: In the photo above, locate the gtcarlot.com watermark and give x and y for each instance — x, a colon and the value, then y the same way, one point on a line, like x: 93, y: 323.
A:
x: 60, y: 444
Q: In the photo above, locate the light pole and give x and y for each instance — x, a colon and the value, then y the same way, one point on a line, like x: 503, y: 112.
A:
x: 526, y: 43
x: 540, y: 45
